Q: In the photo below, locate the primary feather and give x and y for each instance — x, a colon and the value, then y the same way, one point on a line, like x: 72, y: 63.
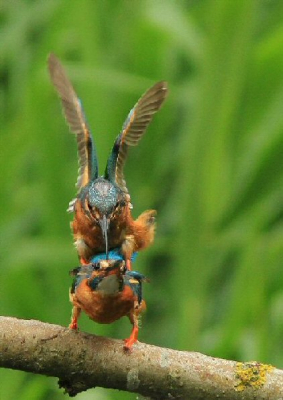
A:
x: 133, y: 129
x: 74, y: 114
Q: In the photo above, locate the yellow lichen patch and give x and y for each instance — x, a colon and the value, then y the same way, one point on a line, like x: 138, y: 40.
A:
x: 251, y: 374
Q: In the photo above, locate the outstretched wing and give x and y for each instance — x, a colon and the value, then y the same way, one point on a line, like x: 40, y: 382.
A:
x: 74, y: 114
x: 134, y: 127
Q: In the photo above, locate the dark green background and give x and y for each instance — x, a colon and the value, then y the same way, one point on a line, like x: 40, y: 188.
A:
x: 211, y: 164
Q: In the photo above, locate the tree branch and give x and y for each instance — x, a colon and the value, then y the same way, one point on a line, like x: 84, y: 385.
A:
x: 82, y: 361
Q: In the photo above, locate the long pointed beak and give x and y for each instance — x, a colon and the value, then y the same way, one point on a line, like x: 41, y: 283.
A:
x: 104, y: 225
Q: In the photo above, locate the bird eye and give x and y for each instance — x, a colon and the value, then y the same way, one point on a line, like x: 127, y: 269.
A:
x: 96, y: 266
x: 119, y: 206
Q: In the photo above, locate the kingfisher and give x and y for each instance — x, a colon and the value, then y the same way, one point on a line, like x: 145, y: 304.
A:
x: 102, y: 208
x: 107, y: 291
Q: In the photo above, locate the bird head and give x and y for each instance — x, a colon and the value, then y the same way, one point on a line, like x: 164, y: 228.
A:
x: 105, y: 201
x: 107, y: 276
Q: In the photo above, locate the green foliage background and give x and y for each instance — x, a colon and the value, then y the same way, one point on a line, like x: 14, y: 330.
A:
x: 211, y: 164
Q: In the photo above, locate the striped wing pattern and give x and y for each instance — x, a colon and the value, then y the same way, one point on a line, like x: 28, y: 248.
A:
x: 136, y: 124
x: 74, y: 114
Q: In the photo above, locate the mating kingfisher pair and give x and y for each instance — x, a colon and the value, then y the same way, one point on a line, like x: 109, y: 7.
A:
x: 106, y: 235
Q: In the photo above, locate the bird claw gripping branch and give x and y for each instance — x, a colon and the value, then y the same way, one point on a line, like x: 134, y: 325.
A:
x: 102, y: 207
x: 106, y: 291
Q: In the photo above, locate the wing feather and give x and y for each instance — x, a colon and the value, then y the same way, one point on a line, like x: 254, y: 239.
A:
x: 135, y: 126
x: 74, y: 114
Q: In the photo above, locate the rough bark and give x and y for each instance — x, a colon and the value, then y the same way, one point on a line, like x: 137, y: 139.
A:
x: 82, y: 361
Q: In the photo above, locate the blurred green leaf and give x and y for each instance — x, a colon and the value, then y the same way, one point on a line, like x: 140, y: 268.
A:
x: 210, y: 164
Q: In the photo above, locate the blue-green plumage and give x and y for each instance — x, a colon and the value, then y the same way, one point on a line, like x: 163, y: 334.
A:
x: 134, y: 279
x: 103, y: 195
x: 114, y: 254
x: 111, y: 165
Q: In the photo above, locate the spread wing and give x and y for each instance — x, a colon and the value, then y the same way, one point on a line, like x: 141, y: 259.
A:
x: 133, y: 129
x: 74, y: 114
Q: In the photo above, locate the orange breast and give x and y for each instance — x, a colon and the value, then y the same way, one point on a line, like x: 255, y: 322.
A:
x: 87, y: 229
x: 104, y: 309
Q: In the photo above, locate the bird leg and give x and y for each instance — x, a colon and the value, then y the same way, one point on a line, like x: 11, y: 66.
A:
x: 83, y: 261
x: 127, y: 247
x: 128, y: 264
x: 134, y: 318
x: 132, y: 339
x: 75, y: 316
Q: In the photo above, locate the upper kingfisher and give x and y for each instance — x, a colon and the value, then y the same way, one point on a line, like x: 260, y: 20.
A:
x: 106, y: 291
x: 102, y: 207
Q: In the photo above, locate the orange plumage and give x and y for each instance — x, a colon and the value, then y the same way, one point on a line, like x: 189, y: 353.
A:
x: 106, y: 292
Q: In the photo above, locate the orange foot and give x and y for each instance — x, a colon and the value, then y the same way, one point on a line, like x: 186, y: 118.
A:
x: 74, y: 324
x: 132, y: 339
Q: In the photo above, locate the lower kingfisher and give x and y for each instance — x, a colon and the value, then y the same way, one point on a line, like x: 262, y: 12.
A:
x: 106, y: 291
x: 102, y: 208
